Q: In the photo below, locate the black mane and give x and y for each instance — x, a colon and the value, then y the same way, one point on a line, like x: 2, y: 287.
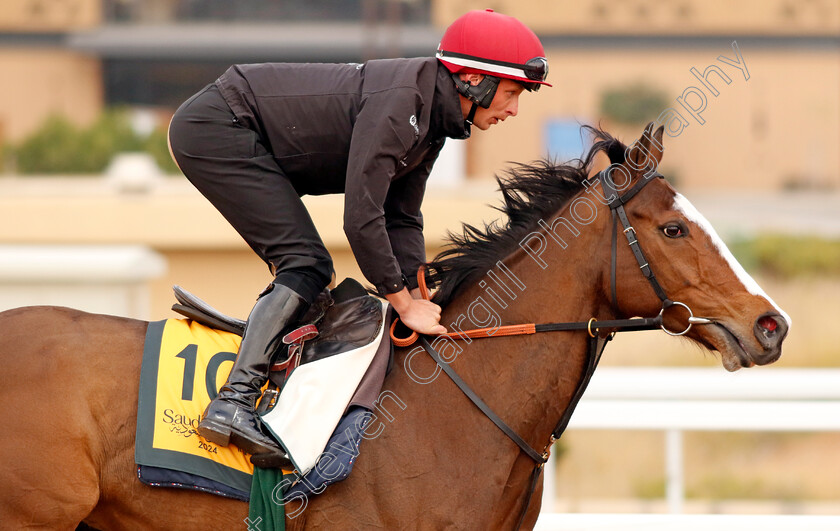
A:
x: 530, y: 193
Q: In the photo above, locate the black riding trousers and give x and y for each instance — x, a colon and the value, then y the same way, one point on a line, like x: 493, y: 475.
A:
x: 230, y: 166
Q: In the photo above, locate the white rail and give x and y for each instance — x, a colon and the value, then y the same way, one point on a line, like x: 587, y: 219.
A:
x: 684, y: 522
x: 675, y: 400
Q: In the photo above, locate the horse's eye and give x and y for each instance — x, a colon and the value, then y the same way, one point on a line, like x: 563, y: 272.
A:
x: 673, y: 231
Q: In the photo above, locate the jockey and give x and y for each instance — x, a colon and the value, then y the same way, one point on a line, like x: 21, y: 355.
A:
x: 263, y: 135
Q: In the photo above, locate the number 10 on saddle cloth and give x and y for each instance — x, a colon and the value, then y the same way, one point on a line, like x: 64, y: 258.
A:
x: 184, y: 364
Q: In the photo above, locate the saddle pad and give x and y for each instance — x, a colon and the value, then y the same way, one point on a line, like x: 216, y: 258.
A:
x: 316, y: 396
x: 163, y: 477
x: 184, y: 363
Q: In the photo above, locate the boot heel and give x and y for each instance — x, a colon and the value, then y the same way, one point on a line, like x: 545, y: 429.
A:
x: 217, y: 434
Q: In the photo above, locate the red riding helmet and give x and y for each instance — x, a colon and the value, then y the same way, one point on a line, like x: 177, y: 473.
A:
x: 485, y: 42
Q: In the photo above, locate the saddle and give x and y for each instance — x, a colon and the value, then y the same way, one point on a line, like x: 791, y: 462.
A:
x: 331, y: 366
x: 341, y: 319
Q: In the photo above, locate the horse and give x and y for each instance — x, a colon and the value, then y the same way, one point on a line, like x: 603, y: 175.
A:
x: 69, y: 379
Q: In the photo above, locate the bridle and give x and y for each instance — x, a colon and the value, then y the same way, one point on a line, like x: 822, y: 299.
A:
x: 616, y: 203
x: 596, y: 343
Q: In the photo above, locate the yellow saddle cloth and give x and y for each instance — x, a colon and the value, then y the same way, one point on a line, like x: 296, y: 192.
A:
x: 184, y: 365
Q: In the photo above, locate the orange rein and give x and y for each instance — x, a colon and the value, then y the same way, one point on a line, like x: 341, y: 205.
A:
x: 501, y: 331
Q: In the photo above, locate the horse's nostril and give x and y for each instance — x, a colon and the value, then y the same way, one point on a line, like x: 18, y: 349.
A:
x: 770, y: 329
x: 768, y: 323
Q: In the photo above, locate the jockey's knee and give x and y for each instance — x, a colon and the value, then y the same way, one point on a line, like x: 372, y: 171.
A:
x: 308, y: 282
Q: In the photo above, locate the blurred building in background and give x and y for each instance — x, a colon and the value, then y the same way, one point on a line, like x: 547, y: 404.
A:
x: 748, y: 92
x: 771, y: 120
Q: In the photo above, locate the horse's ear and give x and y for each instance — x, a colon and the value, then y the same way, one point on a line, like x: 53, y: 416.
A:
x: 646, y: 152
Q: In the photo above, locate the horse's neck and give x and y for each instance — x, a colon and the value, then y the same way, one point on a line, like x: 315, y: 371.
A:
x: 529, y: 379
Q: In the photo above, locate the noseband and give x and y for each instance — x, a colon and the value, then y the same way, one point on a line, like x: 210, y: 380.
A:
x: 596, y: 344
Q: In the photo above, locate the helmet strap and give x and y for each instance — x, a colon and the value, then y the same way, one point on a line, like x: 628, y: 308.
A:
x: 469, y: 119
x: 481, y: 94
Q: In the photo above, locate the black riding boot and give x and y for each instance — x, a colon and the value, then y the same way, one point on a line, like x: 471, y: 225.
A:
x: 230, y: 417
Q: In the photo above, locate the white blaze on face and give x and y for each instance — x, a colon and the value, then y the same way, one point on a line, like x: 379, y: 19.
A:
x: 683, y: 205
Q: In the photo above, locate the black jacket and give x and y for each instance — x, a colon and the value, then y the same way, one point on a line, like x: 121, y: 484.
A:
x: 372, y: 131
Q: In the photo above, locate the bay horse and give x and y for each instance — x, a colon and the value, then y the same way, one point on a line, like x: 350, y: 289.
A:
x: 69, y: 379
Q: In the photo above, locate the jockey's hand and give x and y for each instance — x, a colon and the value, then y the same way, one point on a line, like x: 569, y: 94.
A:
x: 420, y: 315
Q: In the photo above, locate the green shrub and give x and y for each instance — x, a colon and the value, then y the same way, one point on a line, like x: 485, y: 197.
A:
x: 729, y: 487
x: 633, y: 104
x: 51, y: 149
x: 157, y: 147
x: 650, y: 488
x: 59, y: 147
x: 789, y: 256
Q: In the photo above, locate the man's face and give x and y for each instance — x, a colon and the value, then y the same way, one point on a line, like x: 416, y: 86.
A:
x: 504, y: 105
